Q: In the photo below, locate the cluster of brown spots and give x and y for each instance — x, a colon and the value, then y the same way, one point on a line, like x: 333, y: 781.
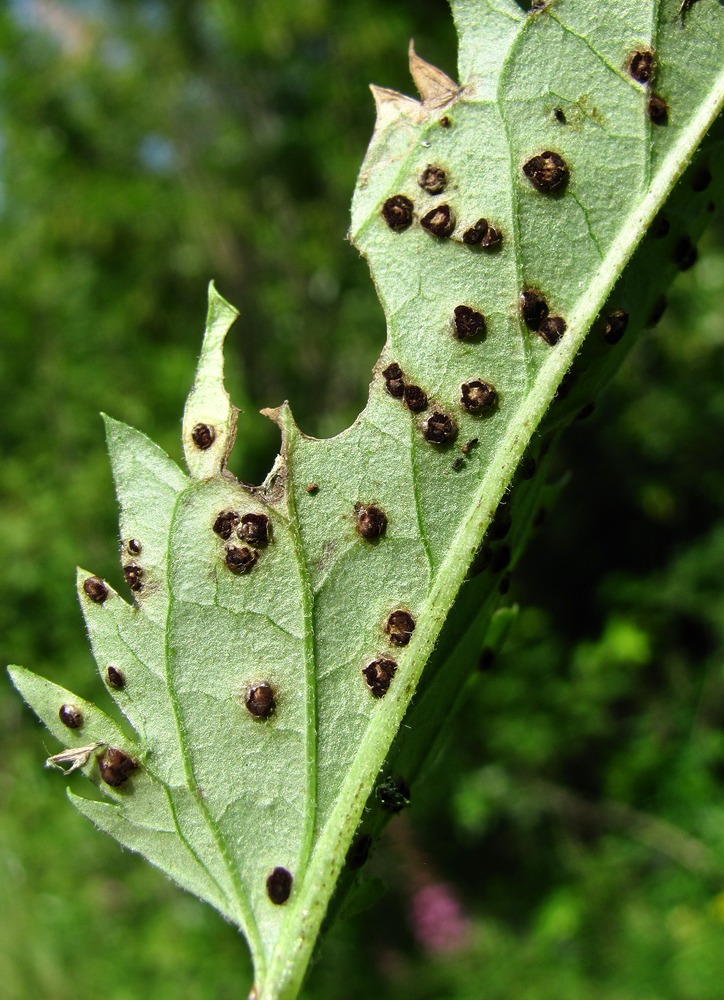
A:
x: 370, y: 521
x: 547, y: 171
x: 658, y: 110
x: 70, y: 716
x: 482, y: 234
x: 615, y: 327
x: 133, y: 574
x: 393, y: 794
x: 641, y: 65
x: 685, y: 253
x: 534, y: 310
x: 95, y: 589
x: 378, y: 675
x: 399, y: 627
x: 439, y: 221
x: 415, y: 398
x: 115, y: 678
x: 432, y: 179
x: 359, y: 851
x: 701, y: 179
x: 478, y: 397
x: 116, y: 766
x: 467, y: 323
x: 240, y: 560
x: 203, y: 436
x: 394, y: 380
x: 439, y: 428
x: 259, y: 700
x: 279, y: 885
x: 254, y: 529
x: 134, y: 547
x: 397, y: 212
x: 225, y: 523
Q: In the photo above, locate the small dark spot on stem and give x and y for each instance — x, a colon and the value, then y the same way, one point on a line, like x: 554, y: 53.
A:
x: 701, y: 179
x: 547, y: 171
x: 259, y: 700
x: 552, y: 329
x: 439, y: 428
x: 468, y: 323
x: 95, y: 589
x: 254, y: 529
x: 116, y: 766
x: 397, y: 212
x: 134, y: 547
x: 240, y: 560
x: 134, y: 576
x: 225, y: 523
x: 371, y: 521
x: 616, y: 323
x: 415, y: 398
x: 378, y: 675
x: 432, y: 179
x: 70, y: 716
x: 393, y: 794
x: 115, y: 678
x: 658, y: 110
x: 203, y: 436
x: 641, y: 65
x: 657, y: 311
x: 359, y: 851
x: 440, y: 221
x: 533, y: 308
x: 685, y: 254
x: 279, y: 885
x: 478, y: 397
x: 399, y: 627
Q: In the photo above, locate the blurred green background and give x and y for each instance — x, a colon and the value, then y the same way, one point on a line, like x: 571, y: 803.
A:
x: 574, y: 829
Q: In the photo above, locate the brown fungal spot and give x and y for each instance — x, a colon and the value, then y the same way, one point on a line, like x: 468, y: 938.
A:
x: 432, y: 179
x: 547, y: 171
x: 533, y: 308
x: 240, y: 560
x: 399, y: 627
x: 492, y: 239
x: 394, y: 380
x: 254, y: 529
x: 474, y: 235
x: 685, y: 254
x: 203, y: 436
x: 458, y: 463
x: 134, y: 547
x: 397, y: 212
x: 528, y: 467
x: 658, y: 110
x: 71, y: 716
x: 134, y: 576
x: 552, y: 329
x: 560, y: 116
x: 439, y: 221
x: 487, y: 659
x: 641, y: 65
x: 370, y: 521
x: 478, y: 397
x: 359, y: 851
x: 701, y: 179
x: 225, y: 523
x: 660, y: 227
x: 259, y: 700
x: 415, y: 398
x: 445, y: 122
x: 279, y: 885
x: 468, y: 446
x: 116, y: 766
x: 378, y: 675
x: 311, y: 487
x: 585, y: 411
x: 657, y: 310
x: 616, y: 323
x: 95, y: 589
x: 501, y: 559
x: 393, y: 794
x: 468, y: 323
x: 115, y: 678
x: 439, y: 428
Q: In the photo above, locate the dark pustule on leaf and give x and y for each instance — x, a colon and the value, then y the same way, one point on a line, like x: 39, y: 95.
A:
x: 134, y: 576
x: 393, y: 794
x: 685, y: 254
x: 399, y: 627
x: 394, y: 380
x: 440, y: 221
x: 115, y: 678
x: 482, y: 234
x: 225, y: 523
x: 397, y: 212
x: 616, y: 323
x: 415, y: 398
x: 254, y: 529
x: 552, y: 329
x: 134, y: 547
x: 95, y: 589
x: 240, y: 560
x: 432, y: 179
x: 279, y: 885
x: 359, y: 851
x: 445, y: 122
x: 468, y: 446
x: 116, y: 766
x: 468, y: 323
x: 378, y: 675
x: 560, y: 116
x: 259, y: 700
x: 658, y: 110
x: 478, y: 397
x: 71, y: 716
x: 439, y: 428
x: 547, y: 171
x: 641, y: 65
x: 533, y: 308
x: 371, y: 521
x: 203, y: 436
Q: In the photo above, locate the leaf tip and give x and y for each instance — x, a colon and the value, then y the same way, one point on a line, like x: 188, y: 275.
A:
x: 436, y: 87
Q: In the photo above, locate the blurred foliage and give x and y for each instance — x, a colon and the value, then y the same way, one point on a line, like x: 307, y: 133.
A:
x: 577, y: 813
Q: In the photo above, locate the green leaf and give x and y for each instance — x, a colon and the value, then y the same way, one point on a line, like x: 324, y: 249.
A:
x: 259, y: 666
